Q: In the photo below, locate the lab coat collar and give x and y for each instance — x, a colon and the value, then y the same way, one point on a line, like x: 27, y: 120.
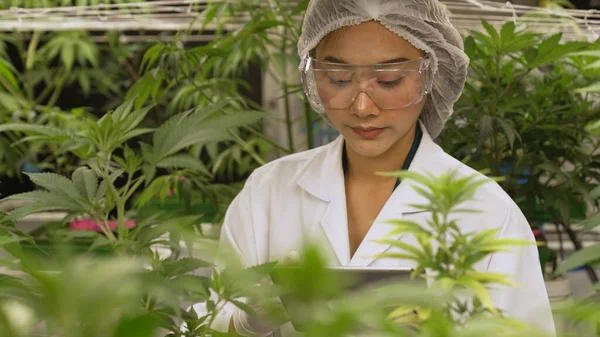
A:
x: 323, y: 178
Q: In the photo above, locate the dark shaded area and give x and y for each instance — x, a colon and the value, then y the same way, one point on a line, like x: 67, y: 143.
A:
x: 587, y: 4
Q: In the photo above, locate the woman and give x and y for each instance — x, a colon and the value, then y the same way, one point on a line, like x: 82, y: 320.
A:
x: 385, y: 74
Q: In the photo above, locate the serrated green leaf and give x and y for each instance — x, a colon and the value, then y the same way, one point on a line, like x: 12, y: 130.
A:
x: 470, y: 46
x: 67, y: 56
x: 210, y: 13
x: 509, y: 131
x: 151, y: 56
x: 409, y: 175
x: 120, y: 113
x: 403, y: 246
x: 55, y: 183
x: 484, y: 236
x: 184, y: 161
x: 22, y: 212
x: 191, y: 283
x: 134, y: 133
x: 55, y: 200
x: 507, y: 33
x: 84, y: 82
x: 10, y: 102
x: 149, y: 172
x: 585, y: 256
x: 493, y: 34
x: 86, y: 181
x: 40, y: 129
x: 595, y: 65
x: 206, y: 112
x: 551, y: 50
x: 89, y: 52
x: 145, y: 86
x: 7, y: 71
x: 406, y: 226
x: 589, y: 89
x: 301, y: 6
x: 398, y: 256
x: 492, y: 278
x: 183, y: 266
x: 480, y: 292
x: 180, y: 132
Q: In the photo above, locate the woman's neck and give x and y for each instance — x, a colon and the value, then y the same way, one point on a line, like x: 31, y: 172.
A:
x: 363, y: 169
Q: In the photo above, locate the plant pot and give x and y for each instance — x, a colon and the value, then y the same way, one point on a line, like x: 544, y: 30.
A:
x: 558, y: 289
x: 560, y: 295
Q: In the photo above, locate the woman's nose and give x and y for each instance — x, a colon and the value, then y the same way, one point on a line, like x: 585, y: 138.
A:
x: 364, y: 106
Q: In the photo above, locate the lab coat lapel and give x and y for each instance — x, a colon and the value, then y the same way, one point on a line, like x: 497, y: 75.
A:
x: 324, y: 179
x: 400, y: 204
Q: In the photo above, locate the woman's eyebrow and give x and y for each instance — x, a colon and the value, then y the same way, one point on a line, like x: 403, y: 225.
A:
x: 338, y: 60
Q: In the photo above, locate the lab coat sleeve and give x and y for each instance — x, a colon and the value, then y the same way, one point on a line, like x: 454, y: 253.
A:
x: 237, y: 237
x: 529, y: 302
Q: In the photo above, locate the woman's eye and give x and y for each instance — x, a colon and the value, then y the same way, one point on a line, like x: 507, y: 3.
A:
x: 339, y: 79
x: 390, y: 83
x: 339, y: 82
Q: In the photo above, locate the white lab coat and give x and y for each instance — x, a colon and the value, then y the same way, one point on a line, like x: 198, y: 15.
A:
x: 301, y: 197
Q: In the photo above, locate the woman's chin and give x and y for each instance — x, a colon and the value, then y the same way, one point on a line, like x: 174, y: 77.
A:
x: 368, y: 148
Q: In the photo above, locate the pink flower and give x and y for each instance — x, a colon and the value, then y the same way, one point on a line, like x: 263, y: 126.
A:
x: 90, y: 225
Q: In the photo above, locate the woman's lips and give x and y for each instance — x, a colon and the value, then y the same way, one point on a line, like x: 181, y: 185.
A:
x: 368, y: 132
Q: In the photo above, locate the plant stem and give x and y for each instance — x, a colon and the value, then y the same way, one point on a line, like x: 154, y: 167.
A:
x: 286, y: 98
x: 44, y: 94
x: 35, y: 39
x: 57, y: 90
x: 494, y: 113
x: 253, y: 154
x: 9, y: 87
x: 308, y: 124
x: 105, y: 228
x: 148, y: 302
x: 288, y: 119
x: 121, y: 207
x: 268, y: 140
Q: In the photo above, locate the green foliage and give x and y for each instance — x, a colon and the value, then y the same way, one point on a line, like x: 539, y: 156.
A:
x: 151, y: 252
x: 444, y: 251
x: 323, y: 303
x: 32, y: 82
x: 102, y: 145
x: 521, y: 117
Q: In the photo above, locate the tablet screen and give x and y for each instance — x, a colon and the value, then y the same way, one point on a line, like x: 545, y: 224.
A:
x: 349, y: 279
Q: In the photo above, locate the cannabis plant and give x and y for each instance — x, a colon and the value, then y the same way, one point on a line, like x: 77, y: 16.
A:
x: 37, y: 71
x: 121, y: 164
x: 104, y: 146
x: 522, y: 117
x: 589, y: 255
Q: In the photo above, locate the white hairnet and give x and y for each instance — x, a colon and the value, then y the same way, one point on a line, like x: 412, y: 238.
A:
x: 423, y: 23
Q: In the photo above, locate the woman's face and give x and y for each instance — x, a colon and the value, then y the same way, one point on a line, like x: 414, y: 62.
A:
x: 367, y: 129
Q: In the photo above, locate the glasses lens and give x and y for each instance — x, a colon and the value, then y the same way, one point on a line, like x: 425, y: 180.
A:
x: 391, y: 87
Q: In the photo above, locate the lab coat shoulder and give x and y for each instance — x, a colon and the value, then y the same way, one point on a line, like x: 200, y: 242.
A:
x: 496, y: 208
x: 286, y: 171
x: 247, y: 222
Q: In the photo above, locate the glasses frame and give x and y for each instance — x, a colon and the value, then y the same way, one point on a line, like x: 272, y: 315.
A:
x: 307, y: 66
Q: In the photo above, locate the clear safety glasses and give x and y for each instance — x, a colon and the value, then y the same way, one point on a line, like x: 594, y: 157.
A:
x: 390, y: 86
